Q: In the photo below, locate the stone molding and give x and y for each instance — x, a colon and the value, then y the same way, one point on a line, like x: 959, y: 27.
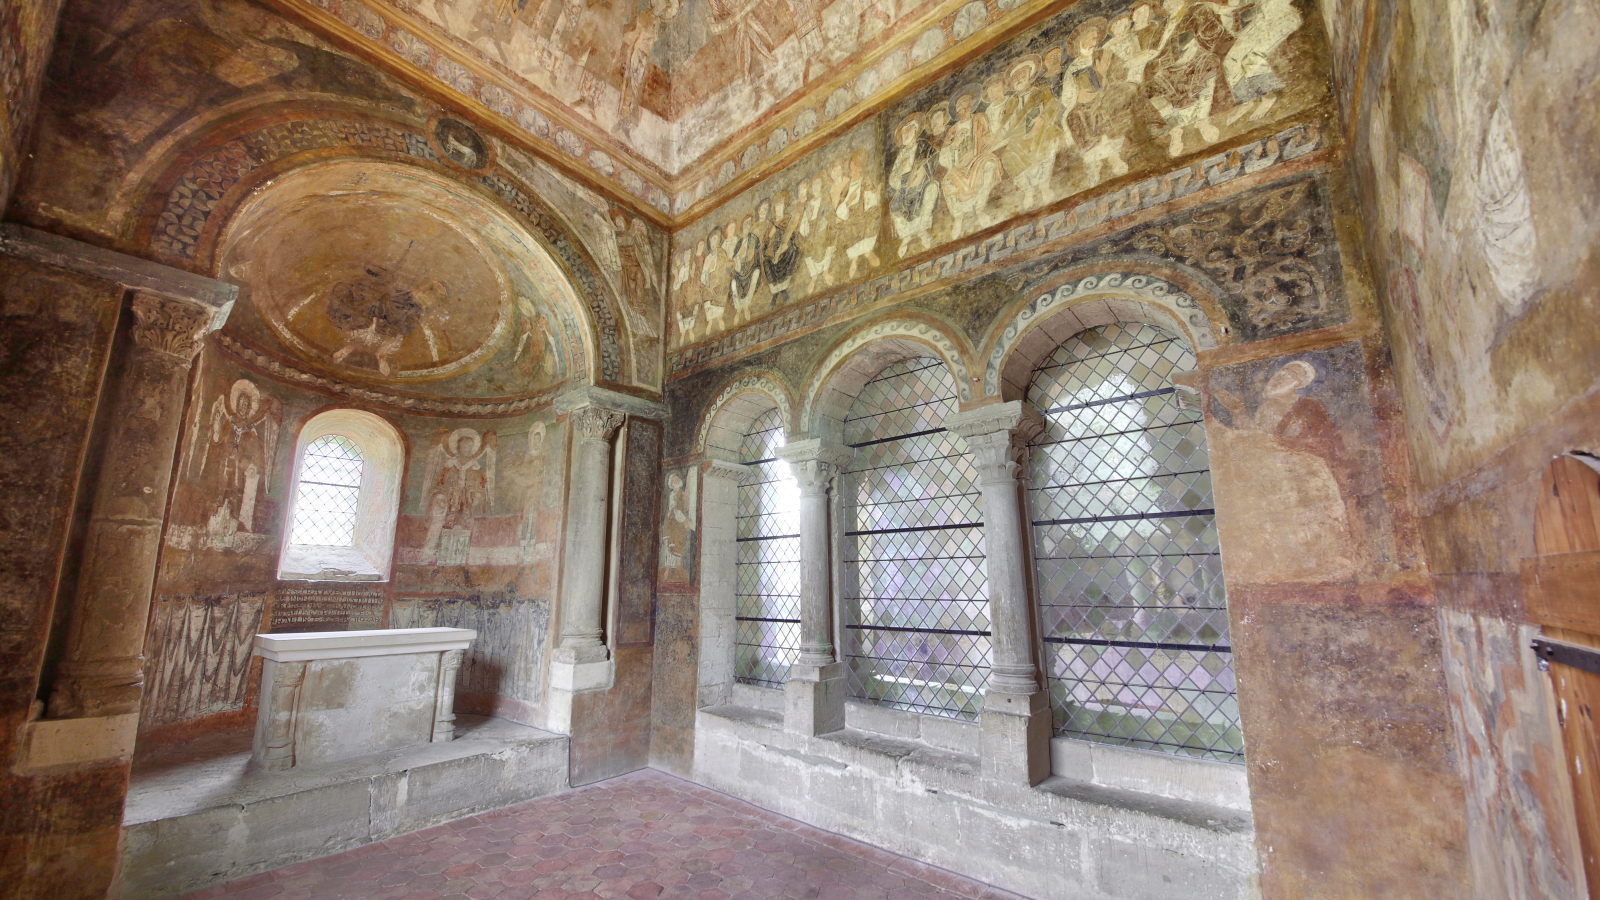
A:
x: 921, y: 332
x: 725, y: 470
x: 591, y: 395
x: 128, y: 271
x: 1142, y: 288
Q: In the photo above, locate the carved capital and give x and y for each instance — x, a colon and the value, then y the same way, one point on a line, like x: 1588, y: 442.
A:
x: 173, y: 327
x: 998, y: 436
x: 596, y: 423
x: 815, y: 462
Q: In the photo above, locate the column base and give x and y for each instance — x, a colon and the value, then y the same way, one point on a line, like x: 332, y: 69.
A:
x: 567, y: 680
x: 813, y: 699
x: 60, y: 743
x: 1015, y: 742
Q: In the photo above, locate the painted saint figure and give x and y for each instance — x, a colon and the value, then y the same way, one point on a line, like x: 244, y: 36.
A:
x: 244, y: 438
x: 460, y: 486
x: 970, y: 169
x: 913, y: 188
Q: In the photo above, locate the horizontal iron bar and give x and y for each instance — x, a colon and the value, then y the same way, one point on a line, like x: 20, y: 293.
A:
x: 768, y: 537
x: 1114, y: 351
x: 757, y: 462
x: 1133, y: 518
x: 759, y: 619
x: 898, y: 437
x: 353, y: 487
x: 1123, y: 399
x: 1142, y: 645
x: 918, y: 528
x: 1563, y: 653
x: 1080, y: 484
x: 1112, y: 434
x: 916, y: 630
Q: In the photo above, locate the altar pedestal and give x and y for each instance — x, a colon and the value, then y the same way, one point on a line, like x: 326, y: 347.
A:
x: 334, y: 695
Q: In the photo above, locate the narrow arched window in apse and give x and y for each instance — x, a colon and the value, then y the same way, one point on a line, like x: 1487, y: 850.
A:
x: 916, y: 593
x: 1130, y: 582
x: 767, y: 596
x: 329, y: 493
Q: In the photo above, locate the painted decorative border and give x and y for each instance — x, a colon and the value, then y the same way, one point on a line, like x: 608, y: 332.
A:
x: 893, y: 328
x: 1289, y: 144
x: 1145, y: 288
x: 427, y: 406
x: 760, y: 384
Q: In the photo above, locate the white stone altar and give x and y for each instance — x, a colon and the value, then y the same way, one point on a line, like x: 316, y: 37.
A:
x: 334, y: 695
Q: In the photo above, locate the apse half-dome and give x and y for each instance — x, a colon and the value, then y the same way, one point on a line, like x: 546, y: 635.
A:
x: 376, y: 273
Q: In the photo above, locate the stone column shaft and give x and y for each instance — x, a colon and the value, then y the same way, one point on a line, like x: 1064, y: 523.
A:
x: 1016, y: 719
x: 102, y: 672
x: 444, y: 702
x: 588, y: 515
x: 815, y: 701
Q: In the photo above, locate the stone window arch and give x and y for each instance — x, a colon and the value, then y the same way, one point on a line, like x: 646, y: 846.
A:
x: 344, y: 499
x: 1132, y: 600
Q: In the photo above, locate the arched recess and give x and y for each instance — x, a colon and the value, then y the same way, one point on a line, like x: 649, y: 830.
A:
x: 861, y: 355
x: 737, y: 405
x: 1081, y: 299
x: 187, y: 200
x: 382, y: 450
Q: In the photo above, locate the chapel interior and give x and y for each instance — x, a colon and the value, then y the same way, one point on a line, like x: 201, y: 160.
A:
x: 803, y: 449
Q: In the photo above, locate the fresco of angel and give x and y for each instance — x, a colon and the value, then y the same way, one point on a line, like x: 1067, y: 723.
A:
x: 459, y: 481
x: 241, y: 449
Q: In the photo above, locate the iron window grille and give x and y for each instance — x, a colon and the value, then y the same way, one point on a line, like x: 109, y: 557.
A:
x: 767, y: 534
x: 1134, y: 608
x: 328, y: 493
x: 915, y: 590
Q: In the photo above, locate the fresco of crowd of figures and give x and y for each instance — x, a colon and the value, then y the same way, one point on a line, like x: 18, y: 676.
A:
x: 1108, y: 90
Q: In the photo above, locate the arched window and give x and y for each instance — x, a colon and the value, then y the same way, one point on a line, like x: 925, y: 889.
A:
x: 915, y: 592
x: 345, y: 499
x: 1134, y: 608
x: 767, y: 531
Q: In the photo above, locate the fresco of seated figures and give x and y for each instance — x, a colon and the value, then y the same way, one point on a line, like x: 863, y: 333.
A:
x: 1108, y: 90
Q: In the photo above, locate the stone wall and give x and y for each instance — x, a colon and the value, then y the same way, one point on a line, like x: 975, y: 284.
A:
x: 27, y: 35
x: 1473, y: 136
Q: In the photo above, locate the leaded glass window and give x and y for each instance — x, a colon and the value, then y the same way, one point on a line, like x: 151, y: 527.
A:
x: 1134, y: 609
x: 767, y: 600
x: 916, y: 594
x: 328, y: 494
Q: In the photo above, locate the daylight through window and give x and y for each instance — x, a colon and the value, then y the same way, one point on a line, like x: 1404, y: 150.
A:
x: 767, y: 598
x: 329, y: 493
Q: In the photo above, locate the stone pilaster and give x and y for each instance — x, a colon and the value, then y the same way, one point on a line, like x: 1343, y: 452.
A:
x: 444, y: 702
x: 719, y: 557
x: 581, y: 661
x: 815, y: 692
x: 280, y: 703
x: 102, y: 671
x: 1016, y: 711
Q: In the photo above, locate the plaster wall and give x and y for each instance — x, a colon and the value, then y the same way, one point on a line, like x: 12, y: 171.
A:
x: 1473, y: 138
x: 27, y: 35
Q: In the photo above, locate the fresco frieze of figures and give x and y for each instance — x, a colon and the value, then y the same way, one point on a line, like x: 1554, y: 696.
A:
x: 1111, y: 89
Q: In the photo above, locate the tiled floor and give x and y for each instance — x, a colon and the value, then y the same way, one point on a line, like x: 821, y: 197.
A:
x: 644, y: 836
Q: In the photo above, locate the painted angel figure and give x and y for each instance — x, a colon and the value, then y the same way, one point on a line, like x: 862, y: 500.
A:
x: 460, y: 485
x: 536, y: 347
x: 244, y: 437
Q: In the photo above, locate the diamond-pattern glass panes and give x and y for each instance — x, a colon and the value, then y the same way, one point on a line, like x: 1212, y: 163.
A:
x: 330, y: 488
x: 916, y: 593
x: 1130, y: 579
x: 767, y: 598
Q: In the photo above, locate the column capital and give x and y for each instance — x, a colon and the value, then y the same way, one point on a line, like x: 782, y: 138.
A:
x: 170, y: 326
x: 998, y: 435
x: 815, y: 461
x: 597, y: 422
x: 725, y: 469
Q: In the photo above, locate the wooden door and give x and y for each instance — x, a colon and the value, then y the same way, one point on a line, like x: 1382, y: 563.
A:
x: 1562, y: 588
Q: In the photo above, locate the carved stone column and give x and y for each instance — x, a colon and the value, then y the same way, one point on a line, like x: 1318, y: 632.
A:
x: 444, y: 703
x: 581, y: 662
x: 815, y: 692
x: 280, y: 702
x: 1016, y: 719
x: 719, y: 560
x: 102, y: 673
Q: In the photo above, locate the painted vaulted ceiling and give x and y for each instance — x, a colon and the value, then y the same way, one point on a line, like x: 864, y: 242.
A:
x: 673, y: 103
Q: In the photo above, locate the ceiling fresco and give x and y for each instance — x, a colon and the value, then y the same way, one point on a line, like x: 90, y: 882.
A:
x: 670, y: 100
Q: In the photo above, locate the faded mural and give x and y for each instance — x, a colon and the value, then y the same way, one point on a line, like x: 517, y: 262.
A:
x: 1104, y: 91
x: 27, y: 28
